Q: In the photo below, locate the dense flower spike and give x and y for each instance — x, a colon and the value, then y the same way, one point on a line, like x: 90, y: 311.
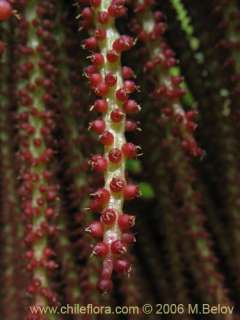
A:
x: 195, y: 231
x: 201, y: 236
x: 168, y: 90
x: 13, y: 276
x: 35, y: 120
x: 108, y: 83
x: 223, y: 123
x: 226, y: 14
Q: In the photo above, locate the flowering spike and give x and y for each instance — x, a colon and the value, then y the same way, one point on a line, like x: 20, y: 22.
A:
x: 35, y: 120
x: 113, y: 84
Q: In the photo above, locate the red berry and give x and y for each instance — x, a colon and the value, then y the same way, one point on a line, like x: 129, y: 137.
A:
x: 191, y: 115
x: 31, y: 289
x: 112, y: 56
x: 115, y: 155
x: 90, y: 43
x: 117, y: 184
x: 127, y: 73
x: 105, y: 285
x: 159, y: 29
x: 107, y: 138
x: 117, y: 9
x: 37, y: 142
x: 191, y: 126
x: 110, y: 79
x: 102, y: 89
x: 101, y: 105
x: 49, y: 212
x: 117, y: 115
x: 130, y: 86
x: 98, y: 126
x: 159, y: 16
x: 87, y: 14
x: 98, y: 163
x: 123, y: 43
x: 121, y: 94
x: 5, y: 10
x: 103, y: 196
x: 128, y: 238
x: 108, y: 216
x: 131, y: 126
x: 103, y: 17
x: 131, y: 106
x: 129, y: 150
x: 96, y: 229
x: 118, y: 247
x: 96, y: 205
x: 101, y: 249
x: 121, y: 266
x: 126, y: 222
x: 130, y: 191
x: 48, y: 252
x: 95, y: 79
x: 169, y: 53
x: 100, y: 34
x: 97, y: 59
x: 29, y: 254
x: 177, y: 80
x: 90, y: 70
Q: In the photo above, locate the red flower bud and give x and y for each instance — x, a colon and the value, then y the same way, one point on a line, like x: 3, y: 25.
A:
x: 123, y: 43
x: 107, y: 138
x: 97, y: 59
x: 117, y: 115
x: 98, y: 163
x: 117, y: 184
x: 118, y: 247
x: 101, y: 105
x: 130, y: 191
x: 96, y: 229
x: 129, y: 150
x: 115, y: 155
x: 101, y: 249
x: 90, y: 43
x: 121, y: 266
x: 126, y: 222
x: 98, y: 126
x: 108, y: 216
x: 112, y: 56
x: 131, y: 106
x: 110, y: 79
x: 5, y: 10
